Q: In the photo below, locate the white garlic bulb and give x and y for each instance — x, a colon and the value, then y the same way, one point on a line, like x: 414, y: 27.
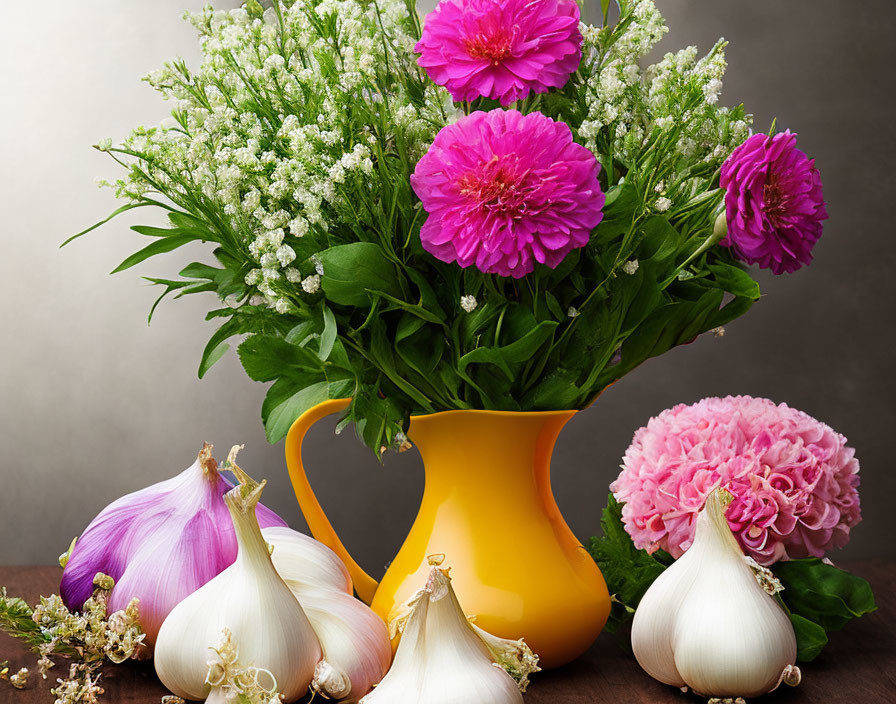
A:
x: 355, y: 642
x: 707, y: 624
x: 304, y: 563
x: 440, y: 658
x: 252, y: 602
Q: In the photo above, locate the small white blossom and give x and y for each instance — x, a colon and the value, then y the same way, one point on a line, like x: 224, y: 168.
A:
x: 285, y: 254
x: 281, y: 305
x: 468, y: 303
x: 318, y: 264
x: 663, y: 204
x: 311, y: 284
x: 631, y: 266
x: 572, y: 312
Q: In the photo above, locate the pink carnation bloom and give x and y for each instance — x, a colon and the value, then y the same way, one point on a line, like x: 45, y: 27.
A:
x: 793, y: 478
x: 505, y: 190
x: 501, y: 49
x: 774, y: 203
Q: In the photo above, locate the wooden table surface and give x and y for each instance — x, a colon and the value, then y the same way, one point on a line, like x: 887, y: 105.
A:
x: 858, y: 666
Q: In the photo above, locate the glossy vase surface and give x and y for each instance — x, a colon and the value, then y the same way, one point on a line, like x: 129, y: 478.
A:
x: 488, y: 508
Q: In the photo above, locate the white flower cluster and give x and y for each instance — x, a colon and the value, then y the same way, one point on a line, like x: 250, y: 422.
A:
x: 626, y: 103
x: 277, y: 130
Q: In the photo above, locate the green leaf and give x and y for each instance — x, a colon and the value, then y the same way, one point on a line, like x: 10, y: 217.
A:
x: 514, y: 353
x: 158, y: 247
x: 351, y: 270
x: 170, y: 286
x: 287, y: 400
x: 328, y: 336
x: 198, y: 270
x: 554, y: 306
x: 627, y: 570
x: 660, y: 240
x: 822, y: 593
x: 269, y: 357
x: 118, y: 211
x: 734, y: 280
x: 217, y: 345
x: 417, y: 310
x: 810, y: 638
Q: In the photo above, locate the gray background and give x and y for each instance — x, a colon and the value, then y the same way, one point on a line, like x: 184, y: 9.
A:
x: 96, y: 404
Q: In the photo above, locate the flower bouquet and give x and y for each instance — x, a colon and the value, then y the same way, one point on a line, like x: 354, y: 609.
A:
x: 500, y: 210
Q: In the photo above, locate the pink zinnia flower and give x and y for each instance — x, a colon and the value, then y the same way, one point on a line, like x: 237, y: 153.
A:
x: 501, y: 49
x: 505, y: 190
x: 774, y: 203
x: 793, y: 478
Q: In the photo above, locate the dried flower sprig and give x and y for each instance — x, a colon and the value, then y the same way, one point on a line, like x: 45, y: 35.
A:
x: 88, y: 638
x: 19, y: 679
x: 231, y: 681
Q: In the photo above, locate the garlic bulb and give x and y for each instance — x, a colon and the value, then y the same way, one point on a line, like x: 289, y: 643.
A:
x: 158, y: 544
x: 304, y: 563
x: 251, y: 600
x: 440, y: 658
x: 706, y: 623
x: 355, y: 642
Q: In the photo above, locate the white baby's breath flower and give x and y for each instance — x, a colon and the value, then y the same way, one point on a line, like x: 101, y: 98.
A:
x: 285, y: 255
x: 281, y: 305
x: 663, y: 204
x: 318, y: 265
x: 631, y: 266
x: 311, y: 284
x: 572, y: 312
x: 468, y: 303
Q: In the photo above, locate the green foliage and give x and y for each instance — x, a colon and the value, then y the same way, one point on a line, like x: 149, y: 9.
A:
x: 627, y: 570
x: 821, y: 598
x: 16, y: 619
x: 818, y: 597
x: 294, y: 163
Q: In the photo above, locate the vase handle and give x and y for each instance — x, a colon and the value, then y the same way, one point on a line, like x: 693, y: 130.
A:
x: 320, y: 526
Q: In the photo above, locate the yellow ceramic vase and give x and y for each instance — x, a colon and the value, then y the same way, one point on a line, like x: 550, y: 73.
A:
x: 489, y: 509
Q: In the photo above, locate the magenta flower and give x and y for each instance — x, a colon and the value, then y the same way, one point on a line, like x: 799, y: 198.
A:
x: 501, y: 49
x: 774, y: 203
x: 793, y: 478
x: 505, y: 190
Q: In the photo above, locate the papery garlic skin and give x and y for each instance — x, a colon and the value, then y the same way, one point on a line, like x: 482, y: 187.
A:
x: 251, y: 600
x: 440, y: 659
x: 304, y: 563
x: 707, y: 624
x: 159, y: 544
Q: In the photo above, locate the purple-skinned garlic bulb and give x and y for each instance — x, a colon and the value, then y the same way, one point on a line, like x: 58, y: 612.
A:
x: 160, y: 544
